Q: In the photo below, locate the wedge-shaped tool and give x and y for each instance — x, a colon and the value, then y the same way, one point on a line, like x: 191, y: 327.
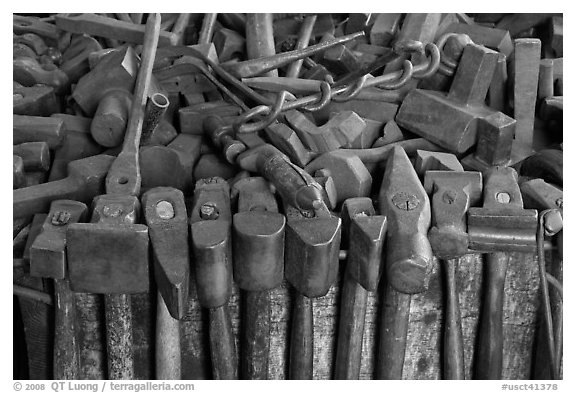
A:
x: 85, y: 180
x: 366, y: 235
x: 453, y: 193
x: 435, y: 161
x: 451, y: 120
x: 311, y: 266
x: 404, y: 202
x: 48, y: 260
x: 211, y: 229
x: 167, y: 220
x: 116, y: 270
x: 498, y: 228
x: 258, y: 231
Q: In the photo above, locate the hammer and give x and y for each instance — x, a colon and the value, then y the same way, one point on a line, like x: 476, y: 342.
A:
x: 167, y: 220
x: 454, y: 192
x: 48, y: 260
x: 258, y: 268
x: 404, y: 202
x: 366, y: 233
x: 500, y: 226
x: 210, y: 229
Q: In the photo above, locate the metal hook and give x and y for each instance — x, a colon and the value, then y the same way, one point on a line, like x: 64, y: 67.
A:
x: 352, y: 90
x: 407, y: 73
x: 448, y: 62
x: 326, y: 96
x: 434, y: 53
x: 242, y: 127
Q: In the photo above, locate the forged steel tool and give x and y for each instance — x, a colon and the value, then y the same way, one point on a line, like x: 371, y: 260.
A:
x: 210, y: 230
x: 366, y: 234
x: 499, y: 227
x: 453, y: 193
x: 258, y: 231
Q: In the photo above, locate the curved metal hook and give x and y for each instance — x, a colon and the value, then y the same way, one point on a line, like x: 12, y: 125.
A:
x: 352, y: 90
x: 407, y: 74
x: 447, y: 61
x: 433, y: 65
x: 242, y: 127
x: 326, y: 96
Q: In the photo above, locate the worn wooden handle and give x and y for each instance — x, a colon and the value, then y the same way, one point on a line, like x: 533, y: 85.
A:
x: 302, y: 339
x: 351, y: 329
x: 222, y: 344
x: 490, y: 341
x: 66, y: 349
x: 453, y: 340
x: 256, y: 351
x: 168, y: 358
x: 119, y: 336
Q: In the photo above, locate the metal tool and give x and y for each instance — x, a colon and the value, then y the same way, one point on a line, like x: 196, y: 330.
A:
x: 48, y: 260
x: 38, y: 129
x: 453, y: 193
x: 258, y: 231
x: 404, y: 202
x: 167, y: 220
x: 210, y: 225
x: 35, y: 155
x: 311, y: 266
x: 366, y: 234
x: 504, y: 215
x: 35, y: 101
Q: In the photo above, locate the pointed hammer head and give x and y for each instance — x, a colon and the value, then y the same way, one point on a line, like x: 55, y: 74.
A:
x: 312, y: 248
x: 366, y: 235
x: 110, y: 254
x: 453, y: 194
x: 167, y: 220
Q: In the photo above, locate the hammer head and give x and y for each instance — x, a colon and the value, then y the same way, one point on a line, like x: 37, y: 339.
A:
x: 167, y: 220
x: 312, y: 247
x: 91, y: 172
x: 454, y: 193
x: 366, y: 234
x: 258, y: 237
x: 110, y: 254
x: 48, y: 252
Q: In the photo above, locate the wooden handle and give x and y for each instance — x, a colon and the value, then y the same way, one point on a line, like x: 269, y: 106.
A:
x: 490, y: 341
x: 302, y: 339
x: 168, y: 358
x: 256, y: 351
x: 119, y: 336
x: 66, y: 349
x: 351, y: 329
x: 393, y: 334
x: 453, y: 340
x: 222, y: 344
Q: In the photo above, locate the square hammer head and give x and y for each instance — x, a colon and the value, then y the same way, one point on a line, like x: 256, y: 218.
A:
x: 110, y: 254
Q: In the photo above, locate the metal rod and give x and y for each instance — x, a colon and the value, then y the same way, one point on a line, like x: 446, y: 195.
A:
x: 32, y: 294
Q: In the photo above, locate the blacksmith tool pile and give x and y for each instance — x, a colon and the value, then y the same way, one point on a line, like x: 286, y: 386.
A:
x: 288, y: 196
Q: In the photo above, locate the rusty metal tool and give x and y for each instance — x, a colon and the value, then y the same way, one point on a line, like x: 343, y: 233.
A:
x: 85, y: 180
x: 525, y: 70
x: 304, y: 36
x: 366, y: 234
x: 435, y: 161
x: 450, y: 120
x: 48, y: 260
x: 18, y: 179
x: 260, y: 38
x: 311, y: 265
x: 75, y: 58
x: 100, y: 26
x: 117, y: 270
x: 77, y: 144
x: 124, y: 176
x: 404, y: 202
x: 255, y: 67
x: 28, y: 24
x: 211, y: 227
x: 223, y: 138
x: 258, y: 231
x: 156, y: 107
x: 493, y: 38
x: 35, y: 101
x: 35, y: 155
x: 29, y: 72
x: 167, y: 220
x: 38, y: 129
x: 499, y: 227
x: 453, y: 193
x: 111, y: 117
x: 294, y: 185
